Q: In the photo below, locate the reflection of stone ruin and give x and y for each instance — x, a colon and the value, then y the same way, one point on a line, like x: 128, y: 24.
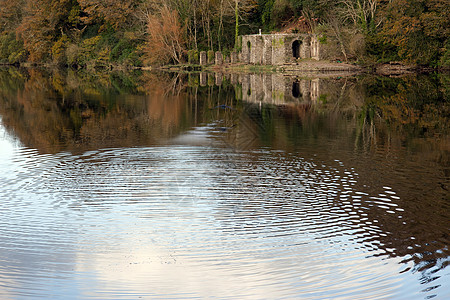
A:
x: 278, y: 49
x: 278, y: 89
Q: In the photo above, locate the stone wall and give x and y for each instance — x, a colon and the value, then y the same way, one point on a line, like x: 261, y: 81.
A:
x: 270, y: 49
x: 278, y: 49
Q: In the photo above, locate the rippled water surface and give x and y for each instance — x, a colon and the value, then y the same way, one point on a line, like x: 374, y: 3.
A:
x: 119, y: 192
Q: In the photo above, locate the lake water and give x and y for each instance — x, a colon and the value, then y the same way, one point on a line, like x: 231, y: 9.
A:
x: 158, y: 185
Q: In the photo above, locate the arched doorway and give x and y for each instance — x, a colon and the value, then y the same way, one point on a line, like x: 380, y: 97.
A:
x: 296, y: 89
x: 296, y: 49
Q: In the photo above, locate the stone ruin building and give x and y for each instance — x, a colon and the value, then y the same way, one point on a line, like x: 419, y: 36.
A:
x: 278, y: 49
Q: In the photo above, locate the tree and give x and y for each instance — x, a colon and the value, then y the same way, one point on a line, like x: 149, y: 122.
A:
x: 117, y: 13
x: 418, y: 28
x: 361, y: 12
x: 11, y: 47
x: 166, y: 37
x: 44, y: 22
x: 11, y: 13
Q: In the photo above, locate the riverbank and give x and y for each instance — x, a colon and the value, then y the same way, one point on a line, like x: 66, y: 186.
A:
x: 320, y: 68
x: 303, y: 66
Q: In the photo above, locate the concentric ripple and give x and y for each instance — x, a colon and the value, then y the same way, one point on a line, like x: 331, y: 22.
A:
x: 198, y: 221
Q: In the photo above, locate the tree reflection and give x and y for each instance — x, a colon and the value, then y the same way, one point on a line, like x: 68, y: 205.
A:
x: 56, y: 111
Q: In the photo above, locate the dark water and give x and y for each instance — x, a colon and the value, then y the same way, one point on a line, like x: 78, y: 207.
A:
x: 146, y: 185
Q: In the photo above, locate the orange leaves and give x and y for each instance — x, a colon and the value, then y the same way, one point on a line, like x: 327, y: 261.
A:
x: 35, y: 31
x: 166, y: 37
x: 417, y: 28
x: 10, y: 14
x: 42, y: 24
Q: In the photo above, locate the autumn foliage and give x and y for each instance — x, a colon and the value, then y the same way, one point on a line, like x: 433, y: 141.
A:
x: 116, y: 13
x: 93, y: 33
x: 418, y: 29
x: 166, y: 40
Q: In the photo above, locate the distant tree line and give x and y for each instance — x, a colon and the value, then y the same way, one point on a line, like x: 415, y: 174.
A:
x: 89, y: 33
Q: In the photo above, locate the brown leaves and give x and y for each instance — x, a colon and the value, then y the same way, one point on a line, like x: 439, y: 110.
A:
x: 10, y: 14
x: 166, y: 37
x: 418, y: 28
x: 42, y: 23
x: 115, y: 12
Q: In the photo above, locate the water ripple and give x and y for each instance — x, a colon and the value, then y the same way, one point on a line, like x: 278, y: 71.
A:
x: 260, y: 224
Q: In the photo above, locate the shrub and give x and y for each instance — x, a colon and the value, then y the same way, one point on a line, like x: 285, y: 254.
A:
x: 125, y: 52
x: 211, y: 56
x: 323, y: 39
x: 59, y: 50
x: 73, y: 55
x: 193, y: 57
x: 11, y: 49
x: 445, y: 59
x: 190, y: 55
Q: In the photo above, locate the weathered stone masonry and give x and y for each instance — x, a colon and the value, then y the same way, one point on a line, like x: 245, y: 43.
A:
x: 278, y: 49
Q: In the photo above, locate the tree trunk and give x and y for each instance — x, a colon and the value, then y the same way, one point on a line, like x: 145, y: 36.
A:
x: 236, y: 11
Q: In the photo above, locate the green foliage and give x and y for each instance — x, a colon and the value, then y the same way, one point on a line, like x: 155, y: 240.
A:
x: 59, y: 50
x: 109, y: 37
x: 125, y: 52
x: 104, y: 49
x: 238, y: 46
x: 92, y: 33
x: 190, y: 54
x: 419, y: 29
x: 266, y: 8
x: 274, y: 13
x: 382, y: 51
x: 89, y: 49
x: 226, y: 53
x: 91, y: 52
x: 193, y: 57
x: 196, y: 57
x: 74, y: 15
x: 323, y: 98
x: 211, y: 56
x: 193, y: 80
x: 11, y: 49
x: 445, y: 59
x: 282, y: 10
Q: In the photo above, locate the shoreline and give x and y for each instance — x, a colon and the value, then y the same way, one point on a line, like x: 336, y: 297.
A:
x: 320, y: 68
x: 308, y: 67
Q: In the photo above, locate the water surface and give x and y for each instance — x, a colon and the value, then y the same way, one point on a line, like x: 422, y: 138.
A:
x: 196, y: 186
